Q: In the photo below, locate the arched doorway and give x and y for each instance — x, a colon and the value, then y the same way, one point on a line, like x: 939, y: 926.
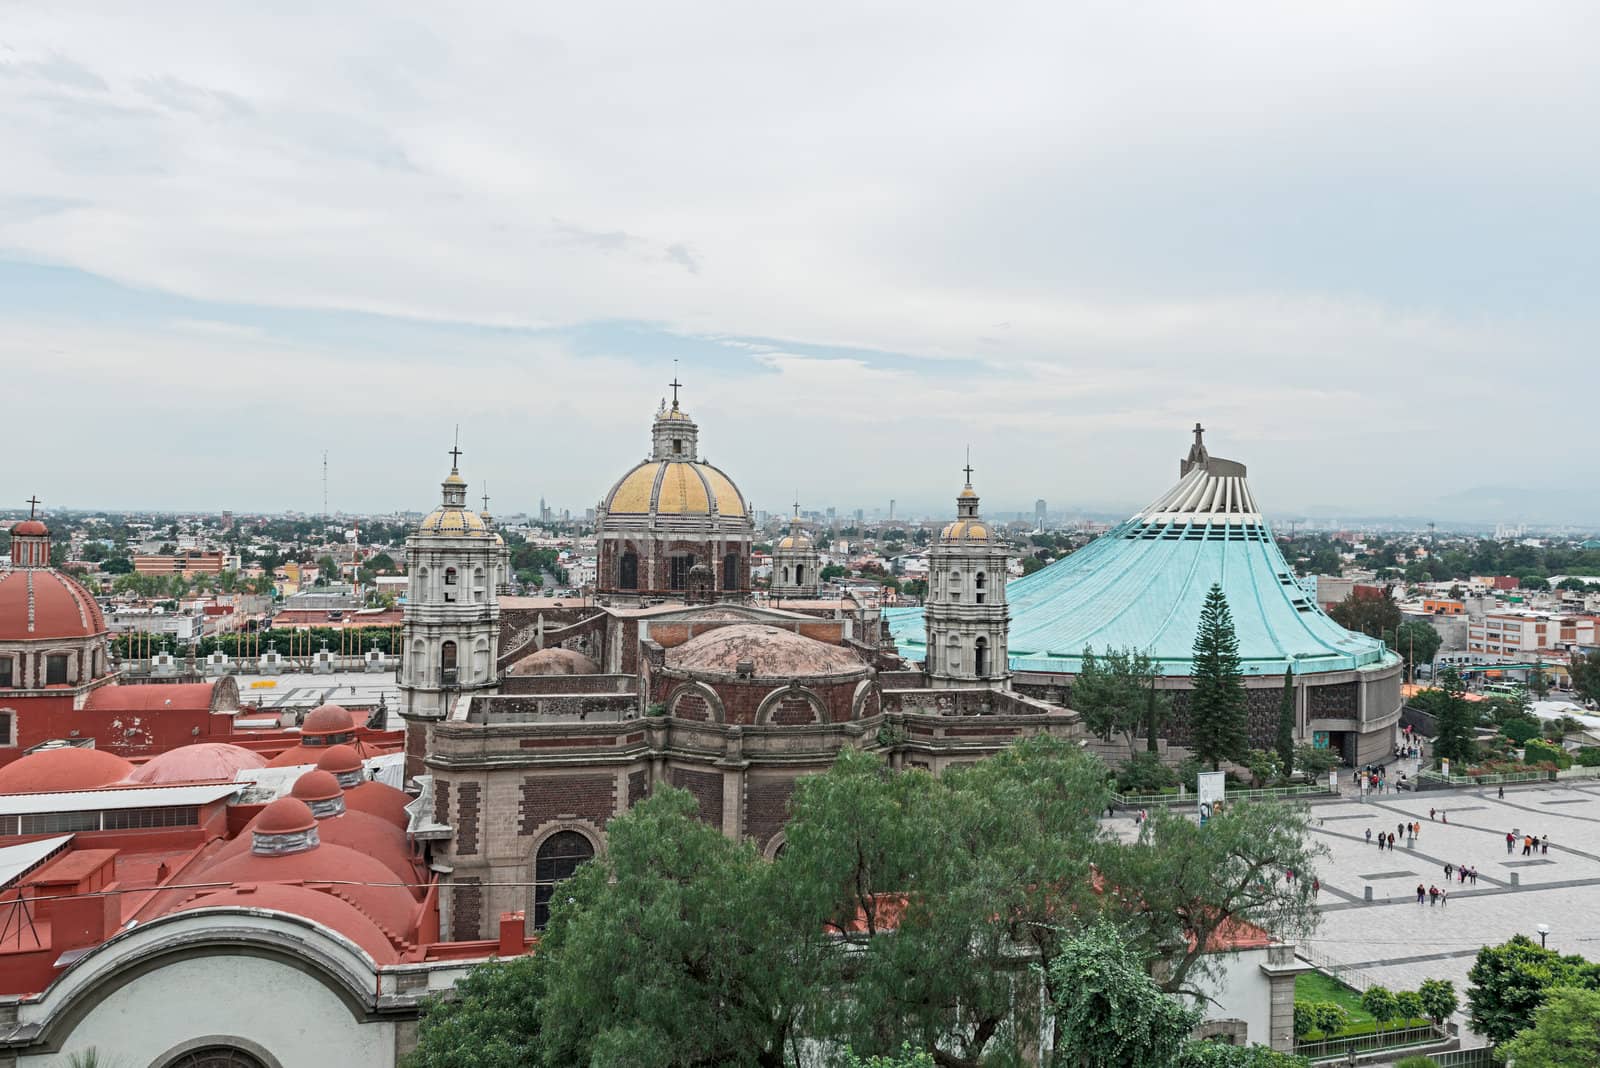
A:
x: 557, y: 861
x: 980, y: 657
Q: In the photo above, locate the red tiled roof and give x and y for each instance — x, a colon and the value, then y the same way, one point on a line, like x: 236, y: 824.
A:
x: 37, y: 604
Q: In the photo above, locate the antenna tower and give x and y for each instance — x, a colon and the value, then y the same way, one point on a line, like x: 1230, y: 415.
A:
x: 324, y: 486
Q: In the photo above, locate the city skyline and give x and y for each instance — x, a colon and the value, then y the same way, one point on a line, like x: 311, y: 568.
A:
x: 244, y: 250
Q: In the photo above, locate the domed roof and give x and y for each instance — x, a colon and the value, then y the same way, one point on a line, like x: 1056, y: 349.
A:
x: 794, y: 542
x: 675, y: 487
x: 339, y: 758
x: 197, y: 763
x: 361, y: 879
x: 453, y: 523
x: 772, y: 652
x: 69, y: 767
x: 286, y: 815
x: 554, y: 662
x: 40, y: 603
x: 965, y: 530
x: 320, y: 907
x: 316, y: 785
x: 30, y: 527
x: 379, y: 799
x: 328, y: 719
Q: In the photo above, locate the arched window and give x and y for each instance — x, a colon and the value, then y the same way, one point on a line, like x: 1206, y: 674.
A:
x: 786, y: 576
x: 952, y: 658
x: 449, y: 576
x: 557, y: 862
x: 978, y: 584
x: 679, y: 574
x: 799, y: 574
x: 214, y: 1057
x: 677, y: 446
x: 447, y: 663
x: 980, y: 656
x: 730, y: 571
x: 628, y: 571
x: 55, y: 669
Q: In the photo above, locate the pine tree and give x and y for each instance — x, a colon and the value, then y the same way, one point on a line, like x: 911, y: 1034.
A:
x: 1217, y: 702
x: 1454, y: 734
x: 1286, y: 723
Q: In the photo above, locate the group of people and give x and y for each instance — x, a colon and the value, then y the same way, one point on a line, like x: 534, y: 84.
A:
x: 1386, y: 840
x: 1462, y: 872
x: 1433, y: 894
x: 1532, y: 844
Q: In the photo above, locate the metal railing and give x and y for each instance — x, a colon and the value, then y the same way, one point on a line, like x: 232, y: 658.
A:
x: 1484, y: 780
x: 1399, y: 1038
x: 1477, y: 1057
x: 1352, y: 977
x: 1189, y: 797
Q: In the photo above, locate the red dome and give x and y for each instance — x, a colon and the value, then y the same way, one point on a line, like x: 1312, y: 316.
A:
x: 29, y: 527
x: 286, y: 815
x: 311, y: 754
x: 321, y: 908
x: 375, y: 837
x: 339, y: 759
x: 66, y: 768
x: 199, y: 762
x: 380, y: 800
x: 37, y: 603
x: 363, y: 880
x: 329, y: 719
x: 315, y: 786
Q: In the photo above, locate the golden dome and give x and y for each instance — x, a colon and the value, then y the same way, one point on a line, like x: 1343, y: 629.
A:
x: 965, y: 530
x: 453, y: 523
x: 794, y: 541
x: 968, y: 492
x: 675, y: 414
x: 675, y: 487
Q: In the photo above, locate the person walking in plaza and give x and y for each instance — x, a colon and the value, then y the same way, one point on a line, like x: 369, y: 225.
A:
x: 1316, y: 886
x: 1433, y: 895
x: 1544, y: 847
x: 1449, y: 870
x: 1431, y: 812
x: 1421, y: 893
x: 1400, y: 829
x: 1391, y: 843
x: 1369, y: 836
x: 1511, y: 841
x: 1444, y: 817
x: 1502, y: 791
x: 1444, y: 896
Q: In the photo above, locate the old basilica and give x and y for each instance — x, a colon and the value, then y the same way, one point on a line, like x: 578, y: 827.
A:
x: 531, y: 723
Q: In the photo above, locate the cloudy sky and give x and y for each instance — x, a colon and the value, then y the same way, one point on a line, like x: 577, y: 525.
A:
x: 1358, y: 241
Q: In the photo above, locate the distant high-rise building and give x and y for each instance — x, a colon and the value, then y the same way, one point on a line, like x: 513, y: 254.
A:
x: 1039, y: 513
x: 860, y: 517
x: 891, y: 509
x: 227, y: 521
x: 833, y: 517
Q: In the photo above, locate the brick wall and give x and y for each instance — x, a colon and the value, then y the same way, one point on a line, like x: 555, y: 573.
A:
x: 766, y: 809
x: 793, y: 710
x: 467, y: 818
x: 544, y: 797
x: 691, y: 706
x: 441, y: 800
x: 638, y: 787
x: 467, y: 919
x: 706, y: 786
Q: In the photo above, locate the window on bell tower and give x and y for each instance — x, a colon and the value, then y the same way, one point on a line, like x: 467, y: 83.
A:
x: 677, y: 446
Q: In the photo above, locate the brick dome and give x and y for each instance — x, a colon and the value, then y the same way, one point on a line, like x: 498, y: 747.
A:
x: 66, y: 768
x: 328, y: 719
x: 197, y: 763
x: 39, y: 604
x: 770, y: 652
x: 320, y: 907
x: 339, y: 759
x: 354, y: 876
x: 30, y: 527
x: 554, y: 662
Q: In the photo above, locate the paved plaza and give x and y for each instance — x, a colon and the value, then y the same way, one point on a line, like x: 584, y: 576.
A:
x: 1397, y: 942
x: 302, y: 691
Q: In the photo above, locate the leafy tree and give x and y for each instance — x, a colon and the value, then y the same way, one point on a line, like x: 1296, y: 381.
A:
x: 1509, y: 981
x: 117, y: 565
x: 670, y: 950
x: 1417, y: 642
x: 1380, y: 1003
x: 1453, y: 723
x: 1565, y: 1032
x: 906, y: 1058
x: 1031, y: 562
x: 1585, y: 672
x: 1313, y: 761
x: 1439, y: 999
x: 1285, y: 739
x: 1225, y: 1055
x: 1408, y: 1005
x: 1521, y: 729
x: 1366, y: 613
x: 1265, y: 767
x: 1110, y: 1013
x: 831, y: 572
x: 490, y: 1019
x: 327, y: 570
x: 1114, y: 694
x: 1331, y: 1017
x: 1180, y: 883
x: 1217, y: 697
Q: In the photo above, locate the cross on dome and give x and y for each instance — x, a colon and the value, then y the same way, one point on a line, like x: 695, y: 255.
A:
x: 455, y: 453
x: 1199, y: 432
x: 968, y: 468
x: 33, y: 505
x: 675, y: 384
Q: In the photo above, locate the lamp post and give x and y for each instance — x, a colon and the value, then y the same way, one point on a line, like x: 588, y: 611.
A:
x: 1544, y: 931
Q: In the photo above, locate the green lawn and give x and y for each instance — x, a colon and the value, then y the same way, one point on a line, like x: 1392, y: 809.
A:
x: 1319, y: 986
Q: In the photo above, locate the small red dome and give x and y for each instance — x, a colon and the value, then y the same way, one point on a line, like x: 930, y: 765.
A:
x: 29, y: 527
x: 66, y: 768
x: 286, y: 815
x: 199, y: 762
x: 339, y: 759
x: 316, y: 786
x: 363, y: 880
x: 39, y: 604
x: 322, y: 909
x: 329, y: 719
x: 379, y: 799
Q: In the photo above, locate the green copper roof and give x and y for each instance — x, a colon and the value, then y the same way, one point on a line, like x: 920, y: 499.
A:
x: 1141, y: 587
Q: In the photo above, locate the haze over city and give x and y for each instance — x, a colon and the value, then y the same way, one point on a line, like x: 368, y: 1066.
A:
x: 869, y: 237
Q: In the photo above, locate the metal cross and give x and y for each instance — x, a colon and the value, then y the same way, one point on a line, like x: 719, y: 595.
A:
x: 674, y: 384
x: 968, y: 468
x: 455, y: 452
x: 33, y: 505
x: 486, y: 496
x: 1198, y: 430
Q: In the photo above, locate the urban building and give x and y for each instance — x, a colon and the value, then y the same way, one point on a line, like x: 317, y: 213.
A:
x: 965, y: 620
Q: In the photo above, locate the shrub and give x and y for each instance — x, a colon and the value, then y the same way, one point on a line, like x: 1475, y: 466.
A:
x: 1520, y: 729
x: 1439, y: 999
x: 1409, y: 1002
x: 1538, y: 752
x: 1417, y: 1060
x: 1589, y: 756
x: 1144, y: 773
x: 1381, y: 1004
x: 1331, y: 1018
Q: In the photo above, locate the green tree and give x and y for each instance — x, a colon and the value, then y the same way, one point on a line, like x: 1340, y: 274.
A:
x: 1585, y: 671
x: 692, y: 926
x: 1114, y: 692
x: 831, y: 572
x: 1376, y: 615
x: 906, y: 1058
x: 1408, y: 1005
x: 1217, y: 696
x: 1225, y: 1055
x: 1439, y: 999
x: 1454, y: 722
x: 1180, y: 883
x: 1565, y: 1032
x: 327, y: 570
x: 1520, y: 730
x: 1509, y: 981
x: 1417, y: 642
x: 1110, y: 1013
x: 1031, y: 562
x: 1380, y: 1004
x: 1286, y: 719
x: 490, y: 1019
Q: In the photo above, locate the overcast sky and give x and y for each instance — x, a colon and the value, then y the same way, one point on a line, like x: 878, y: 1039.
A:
x: 1358, y: 241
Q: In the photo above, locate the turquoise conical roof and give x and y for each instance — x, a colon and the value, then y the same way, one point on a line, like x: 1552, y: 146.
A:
x: 1142, y: 584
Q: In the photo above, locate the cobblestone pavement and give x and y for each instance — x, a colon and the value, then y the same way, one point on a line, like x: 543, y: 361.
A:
x: 306, y: 691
